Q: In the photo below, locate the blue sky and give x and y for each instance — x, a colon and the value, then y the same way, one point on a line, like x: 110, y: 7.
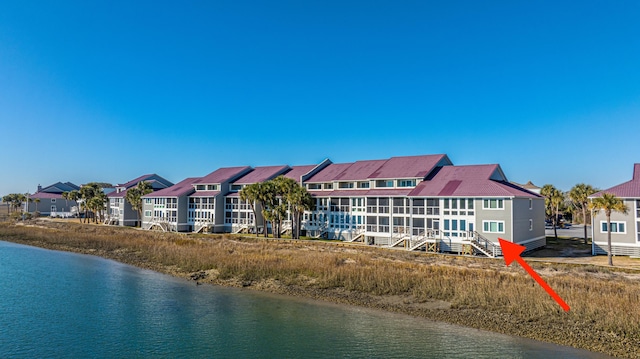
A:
x: 108, y: 90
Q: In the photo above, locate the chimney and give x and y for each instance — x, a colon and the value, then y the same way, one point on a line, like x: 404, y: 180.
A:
x: 39, y: 188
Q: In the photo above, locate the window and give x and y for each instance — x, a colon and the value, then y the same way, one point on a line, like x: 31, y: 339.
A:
x: 493, y: 203
x: 147, y: 200
x: 407, y: 183
x: 314, y: 186
x: 345, y: 185
x: 493, y: 226
x: 236, y: 187
x: 530, y: 203
x: 531, y: 224
x: 363, y: 184
x: 212, y: 187
x: 328, y: 186
x: 616, y: 227
x: 384, y: 183
x: 200, y: 187
x: 147, y: 213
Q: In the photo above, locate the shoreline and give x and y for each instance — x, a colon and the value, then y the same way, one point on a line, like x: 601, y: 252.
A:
x: 578, y: 328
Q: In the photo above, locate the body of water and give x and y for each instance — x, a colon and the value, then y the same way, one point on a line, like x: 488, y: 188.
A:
x: 64, y: 305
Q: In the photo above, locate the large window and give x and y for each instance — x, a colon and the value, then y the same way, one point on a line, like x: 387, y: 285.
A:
x: 363, y: 184
x: 314, y: 186
x: 493, y: 226
x: 493, y: 203
x: 406, y: 183
x: 384, y: 183
x: 616, y: 227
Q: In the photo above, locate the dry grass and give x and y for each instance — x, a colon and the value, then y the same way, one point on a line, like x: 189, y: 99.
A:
x: 483, y: 293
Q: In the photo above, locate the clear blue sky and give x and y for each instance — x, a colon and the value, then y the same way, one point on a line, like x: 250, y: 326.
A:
x: 109, y: 90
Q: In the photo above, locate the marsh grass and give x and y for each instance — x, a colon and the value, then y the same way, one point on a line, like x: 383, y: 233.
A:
x: 605, y: 303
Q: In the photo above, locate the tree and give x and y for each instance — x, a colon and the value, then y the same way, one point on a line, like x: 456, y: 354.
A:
x: 134, y: 197
x: 75, y: 196
x: 7, y: 199
x: 87, y: 192
x: 553, y: 201
x: 35, y: 211
x: 579, y: 196
x: 608, y: 202
x: 296, y: 199
x: 250, y: 194
x: 267, y: 196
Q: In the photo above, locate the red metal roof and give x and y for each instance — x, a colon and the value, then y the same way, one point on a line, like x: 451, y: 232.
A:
x: 329, y: 173
x: 205, y: 194
x: 134, y: 181
x: 629, y: 189
x: 408, y: 166
x: 222, y: 175
x: 298, y: 171
x: 392, y: 192
x: 360, y: 170
x: 468, y: 181
x: 182, y: 188
x: 261, y: 174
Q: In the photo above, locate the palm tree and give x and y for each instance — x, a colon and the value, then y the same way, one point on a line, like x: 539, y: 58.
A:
x: 608, y: 202
x: 553, y: 200
x: 267, y: 196
x: 75, y: 197
x: 134, y: 197
x: 250, y: 194
x: 36, y: 201
x: 579, y: 196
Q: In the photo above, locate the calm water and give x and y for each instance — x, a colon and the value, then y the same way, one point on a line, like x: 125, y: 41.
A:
x: 64, y: 305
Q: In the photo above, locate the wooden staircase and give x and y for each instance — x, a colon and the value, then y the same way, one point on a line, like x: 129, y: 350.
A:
x: 483, y: 245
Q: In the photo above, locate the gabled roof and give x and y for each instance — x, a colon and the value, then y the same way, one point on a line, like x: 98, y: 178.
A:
x: 222, y: 175
x: 410, y: 166
x: 376, y: 192
x: 470, y: 181
x: 297, y: 172
x: 261, y: 174
x: 360, y: 170
x: 182, y: 188
x: 45, y: 195
x: 156, y: 181
x: 205, y: 194
x: 329, y: 173
x: 394, y: 167
x: 59, y: 187
x: 629, y: 189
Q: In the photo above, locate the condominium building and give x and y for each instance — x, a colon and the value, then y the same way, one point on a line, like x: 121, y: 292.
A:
x: 414, y: 202
x: 625, y: 227
x: 120, y: 211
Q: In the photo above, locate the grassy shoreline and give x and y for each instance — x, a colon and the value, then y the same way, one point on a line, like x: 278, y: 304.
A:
x: 474, y: 292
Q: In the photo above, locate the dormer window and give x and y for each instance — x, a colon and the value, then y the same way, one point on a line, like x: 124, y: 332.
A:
x: 201, y: 187
x: 236, y: 187
x: 363, y: 184
x: 328, y: 186
x: 212, y: 187
x: 345, y: 185
x: 384, y: 183
x: 314, y: 186
x: 406, y: 183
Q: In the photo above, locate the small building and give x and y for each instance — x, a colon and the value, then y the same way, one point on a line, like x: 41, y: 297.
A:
x: 48, y: 201
x: 625, y: 228
x: 120, y: 211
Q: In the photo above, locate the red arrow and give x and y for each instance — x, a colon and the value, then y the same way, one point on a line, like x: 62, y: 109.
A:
x: 511, y: 252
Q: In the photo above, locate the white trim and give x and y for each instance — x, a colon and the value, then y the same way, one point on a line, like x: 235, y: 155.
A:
x: 493, y: 221
x: 498, y: 201
x: 617, y: 225
x: 531, y: 240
